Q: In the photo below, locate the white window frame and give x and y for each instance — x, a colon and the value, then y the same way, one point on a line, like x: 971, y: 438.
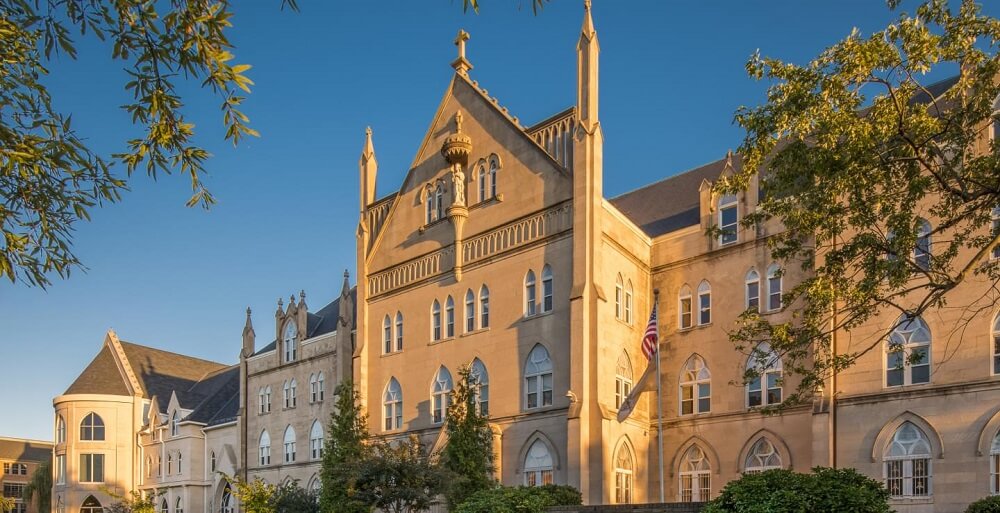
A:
x: 729, y: 233
x: 89, y: 463
x: 685, y: 308
x: 316, y: 438
x: 449, y: 317
x: 436, y: 328
x: 264, y: 449
x: 536, y: 369
x: 696, y: 379
x: 484, y: 307
x: 548, y: 301
x: 704, y: 303
x: 480, y: 378
x: 995, y: 344
x: 540, y: 470
x: 906, y: 465
x: 758, y: 459
x: 392, y: 406
x: 387, y: 335
x: 288, y: 443
x: 623, y: 379
x: 399, y: 331
x: 470, y: 311
x: 441, y: 390
x: 619, y: 297
x: 901, y: 341
x: 770, y: 370
x: 530, y: 294
x: 693, y: 474
x: 629, y: 302
x: 752, y: 299
x: 624, y: 477
x: 774, y: 277
x: 995, y: 465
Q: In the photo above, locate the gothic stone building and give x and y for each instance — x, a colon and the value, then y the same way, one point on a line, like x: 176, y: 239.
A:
x: 500, y: 253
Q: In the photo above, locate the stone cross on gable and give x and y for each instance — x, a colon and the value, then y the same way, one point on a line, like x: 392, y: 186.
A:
x: 461, y: 64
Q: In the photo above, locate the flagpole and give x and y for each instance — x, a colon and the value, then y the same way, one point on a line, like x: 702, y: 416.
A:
x: 659, y: 396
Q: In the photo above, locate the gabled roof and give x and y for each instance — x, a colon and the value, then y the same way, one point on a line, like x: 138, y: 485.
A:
x: 25, y: 450
x: 102, y: 376
x: 222, y: 400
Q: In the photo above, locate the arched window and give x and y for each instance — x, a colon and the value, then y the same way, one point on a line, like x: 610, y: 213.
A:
x: 170, y: 464
x: 449, y: 316
x: 908, y: 463
x: 623, y: 475
x: 696, y: 476
x: 494, y: 167
x: 439, y: 201
x: 483, y: 191
x: 922, y: 251
x: 289, y: 444
x: 313, y: 392
x: 164, y: 507
x: 470, y: 311
x: 159, y: 467
x: 212, y: 462
x: 289, y: 391
x: 315, y: 485
x: 480, y: 380
x: 260, y: 400
x: 316, y: 440
x: 387, y: 334
x: 484, y: 307
x: 399, y: 331
x: 628, y: 302
x: 436, y: 320
x: 774, y: 287
x: 547, y: 288
x: 178, y: 506
x: 175, y: 421
x: 91, y: 505
x: 996, y: 345
x: 765, y: 388
x: 428, y: 205
x: 704, y: 303
x: 753, y: 291
x: 623, y: 379
x: 180, y: 462
x: 538, y: 378
x: 227, y: 503
x: 696, y: 387
x: 392, y: 403
x: 291, y: 341
x: 441, y: 394
x: 728, y: 219
x: 684, y: 307
x: 538, y: 465
x: 264, y: 448
x: 320, y: 386
x: 92, y: 427
x: 907, y: 359
x: 149, y: 466
x: 762, y: 456
x: 529, y: 294
x: 60, y: 429
x: 619, y: 297
x: 995, y: 465
x: 267, y: 399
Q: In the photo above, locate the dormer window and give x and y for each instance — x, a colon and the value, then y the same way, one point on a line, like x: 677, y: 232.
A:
x: 175, y: 421
x: 728, y: 219
x: 290, y: 340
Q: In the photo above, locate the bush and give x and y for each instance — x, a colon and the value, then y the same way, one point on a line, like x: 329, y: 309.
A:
x: 988, y: 505
x: 520, y: 499
x: 826, y: 489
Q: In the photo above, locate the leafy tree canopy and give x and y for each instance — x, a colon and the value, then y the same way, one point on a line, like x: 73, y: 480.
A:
x: 347, y: 446
x: 40, y: 486
x: 784, y: 491
x: 853, y: 152
x: 400, y: 477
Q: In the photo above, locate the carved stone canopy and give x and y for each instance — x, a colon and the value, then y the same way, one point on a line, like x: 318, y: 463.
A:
x: 457, y: 146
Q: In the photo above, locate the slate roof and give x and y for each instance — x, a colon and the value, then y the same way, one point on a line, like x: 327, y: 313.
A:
x: 320, y: 323
x: 221, y: 401
x: 25, y: 450
x: 100, y: 377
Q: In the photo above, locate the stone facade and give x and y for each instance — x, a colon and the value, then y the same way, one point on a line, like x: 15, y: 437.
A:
x: 19, y: 459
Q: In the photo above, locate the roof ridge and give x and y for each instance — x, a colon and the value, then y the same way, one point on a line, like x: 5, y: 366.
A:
x: 671, y: 177
x: 16, y: 439
x: 164, y: 351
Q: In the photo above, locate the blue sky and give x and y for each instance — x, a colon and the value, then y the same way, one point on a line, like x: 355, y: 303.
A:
x: 161, y: 274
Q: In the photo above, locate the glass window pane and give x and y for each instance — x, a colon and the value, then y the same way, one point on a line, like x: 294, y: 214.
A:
x: 920, y: 374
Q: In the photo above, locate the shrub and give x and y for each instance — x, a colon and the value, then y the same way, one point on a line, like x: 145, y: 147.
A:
x: 520, y: 499
x: 825, y: 489
x: 987, y: 505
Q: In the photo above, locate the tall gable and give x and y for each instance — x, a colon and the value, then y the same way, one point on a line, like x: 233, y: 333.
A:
x: 102, y: 376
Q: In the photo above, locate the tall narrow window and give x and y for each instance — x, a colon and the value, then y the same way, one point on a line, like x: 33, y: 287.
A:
x: 164, y: 508
x: 484, y: 307
x: 61, y: 468
x: 762, y: 456
x: 175, y: 421
x: 480, y: 380
x: 429, y: 205
x: 696, y: 476
x: 392, y: 406
x: 286, y: 394
x: 995, y: 465
x: 547, y: 288
x: 996, y: 230
x: 623, y: 379
x: 922, y: 251
x: 436, y: 320
x: 538, y: 378
x: 60, y: 429
x: 470, y: 311
x: 399, y: 331
x: 387, y: 334
x: 728, y: 219
x: 170, y: 464
x: 313, y: 390
x: 529, y: 294
x: 212, y: 462
x: 696, y: 387
x: 440, y: 394
x: 538, y: 465
x: 180, y: 462
x: 91, y: 505
x: 619, y: 297
x: 996, y: 344
x: 439, y: 201
x: 267, y: 399
x: 704, y: 303
x: 449, y: 315
x: 178, y: 506
x: 773, y: 287
x: 482, y: 183
x: 628, y: 302
x: 907, y: 360
x: 293, y: 386
x: 684, y: 307
x: 320, y: 385
x: 623, y: 475
x: 753, y: 291
x: 765, y: 388
x: 290, y: 341
x: 908, y: 463
x: 494, y: 167
x: 316, y: 440
x: 289, y: 444
x: 92, y: 427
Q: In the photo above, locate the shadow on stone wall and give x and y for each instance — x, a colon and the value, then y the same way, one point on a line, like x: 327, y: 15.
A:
x: 670, y: 507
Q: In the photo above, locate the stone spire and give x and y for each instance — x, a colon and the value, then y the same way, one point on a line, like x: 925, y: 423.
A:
x: 587, y: 52
x: 461, y: 64
x: 345, y: 290
x: 249, y: 337
x: 368, y: 168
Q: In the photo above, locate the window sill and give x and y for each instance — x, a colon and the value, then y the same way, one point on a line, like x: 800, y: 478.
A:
x: 487, y: 202
x: 394, y: 353
x: 623, y: 321
x: 912, y: 500
x: 538, y: 409
x: 433, y: 223
x: 441, y: 340
x: 474, y: 332
x: 906, y: 387
x: 536, y: 316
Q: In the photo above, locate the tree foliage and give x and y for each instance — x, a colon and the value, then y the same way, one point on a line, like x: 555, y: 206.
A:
x: 853, y: 151
x: 6, y: 504
x: 468, y: 454
x: 49, y: 177
x: 40, y: 486
x: 347, y: 446
x: 292, y: 498
x: 989, y: 504
x: 255, y: 496
x: 784, y: 491
x: 520, y: 499
x: 400, y: 477
x: 133, y: 502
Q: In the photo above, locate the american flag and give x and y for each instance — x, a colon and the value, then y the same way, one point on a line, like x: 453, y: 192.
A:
x: 649, y: 340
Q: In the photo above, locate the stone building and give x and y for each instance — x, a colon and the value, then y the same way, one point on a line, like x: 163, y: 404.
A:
x: 499, y: 252
x: 19, y: 459
x: 287, y: 388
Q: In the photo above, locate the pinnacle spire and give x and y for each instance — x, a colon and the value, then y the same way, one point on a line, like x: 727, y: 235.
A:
x: 347, y: 283
x: 368, y: 152
x: 368, y: 167
x: 587, y: 30
x: 248, y: 327
x: 588, y: 51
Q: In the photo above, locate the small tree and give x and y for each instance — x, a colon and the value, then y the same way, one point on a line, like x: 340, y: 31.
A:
x: 134, y: 502
x: 345, y: 449
x: 520, y: 499
x: 468, y: 455
x: 292, y: 498
x: 780, y: 491
x: 986, y: 505
x: 399, y: 477
x: 255, y: 496
x: 40, y: 486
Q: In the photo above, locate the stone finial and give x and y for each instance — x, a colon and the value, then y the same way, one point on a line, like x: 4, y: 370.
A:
x: 461, y: 64
x: 457, y: 146
x: 291, y: 300
x: 302, y: 295
x: 458, y: 122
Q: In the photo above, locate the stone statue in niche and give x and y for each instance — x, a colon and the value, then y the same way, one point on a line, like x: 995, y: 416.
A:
x: 458, y: 184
